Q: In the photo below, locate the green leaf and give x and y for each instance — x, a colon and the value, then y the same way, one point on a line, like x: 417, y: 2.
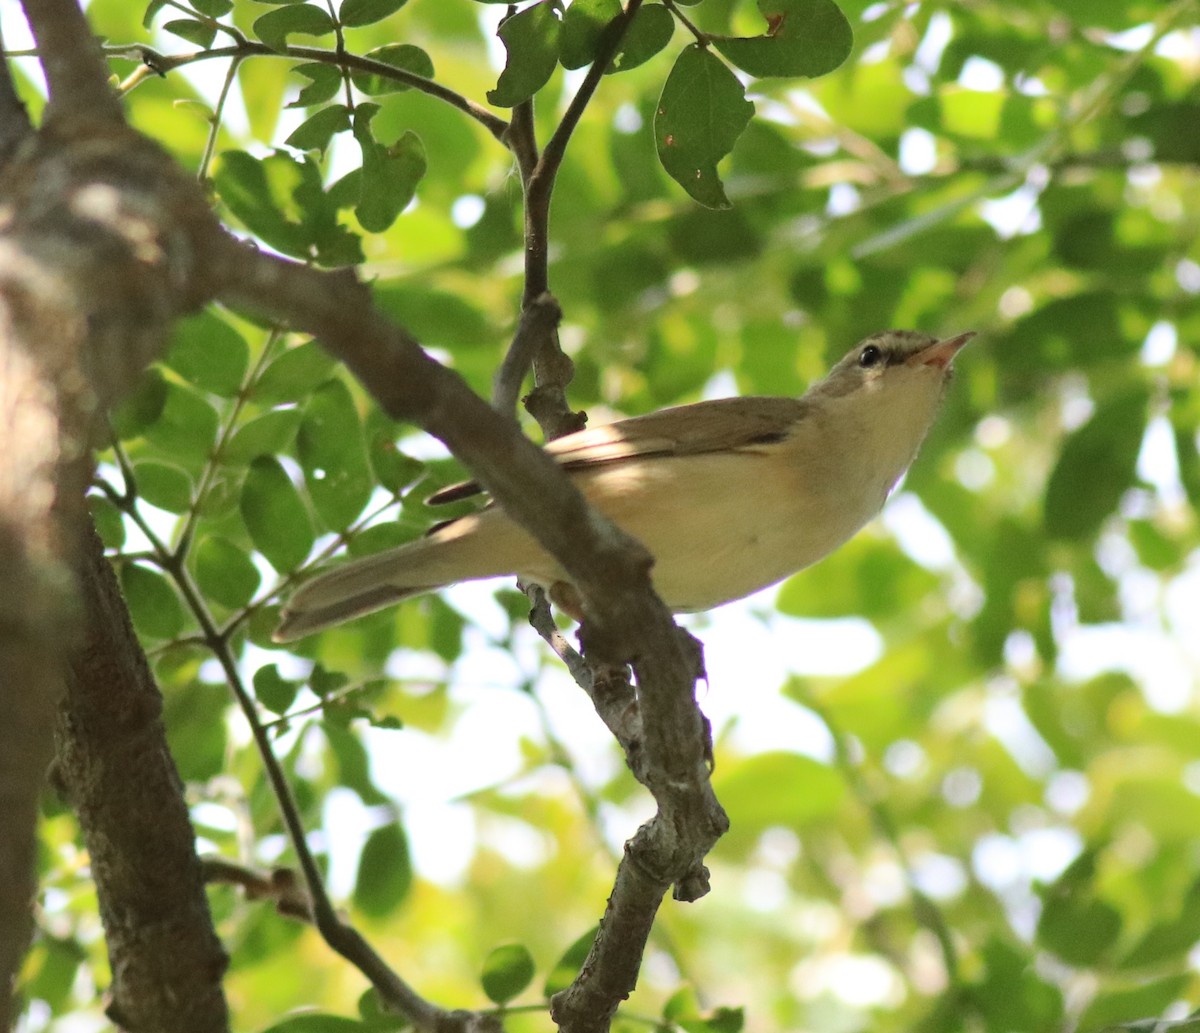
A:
x: 52, y: 966
x: 314, y: 133
x: 110, y: 522
x: 141, y: 408
x: 224, y: 572
x: 265, y: 435
x: 531, y: 40
x: 507, y: 970
x: 320, y: 1022
x: 294, y: 374
x: 1074, y: 924
x: 213, y: 8
x: 582, y: 28
x: 1127, y: 1004
x: 1079, y: 330
x: 1096, y: 467
x: 651, y: 30
x: 435, y: 316
x: 209, y: 353
x: 333, y: 455
x: 152, y: 8
x: 389, y: 174
x: 186, y: 427
x: 393, y: 469
x: 866, y: 577
x: 564, y: 972
x: 384, y: 872
x: 152, y: 602
x: 404, y: 56
x: 778, y: 788
x: 324, y: 83
x: 164, y: 486
x: 1169, y: 940
x: 200, y: 33
x: 259, y: 192
x: 274, y: 27
x: 273, y: 690
x: 804, y: 38
x: 702, y: 111
x: 275, y: 515
x: 367, y: 12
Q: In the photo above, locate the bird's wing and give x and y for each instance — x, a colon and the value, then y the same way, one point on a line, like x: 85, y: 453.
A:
x: 721, y: 425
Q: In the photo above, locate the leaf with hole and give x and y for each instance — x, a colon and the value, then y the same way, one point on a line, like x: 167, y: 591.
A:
x: 649, y: 32
x: 701, y: 113
x: 389, y: 174
x: 333, y: 455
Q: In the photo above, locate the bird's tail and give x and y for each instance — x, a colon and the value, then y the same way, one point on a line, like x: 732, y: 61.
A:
x: 357, y: 588
x: 456, y: 552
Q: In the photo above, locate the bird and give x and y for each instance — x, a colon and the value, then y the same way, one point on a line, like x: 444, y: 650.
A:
x: 729, y: 495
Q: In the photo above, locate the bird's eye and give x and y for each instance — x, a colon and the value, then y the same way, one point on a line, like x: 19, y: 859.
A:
x: 870, y: 356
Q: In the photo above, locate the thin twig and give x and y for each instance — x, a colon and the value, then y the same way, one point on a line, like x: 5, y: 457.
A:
x: 214, y: 129
x: 539, y: 320
x: 341, y: 937
x: 344, y: 939
x: 542, y: 181
x: 542, y: 621
x: 701, y: 38
x: 164, y: 63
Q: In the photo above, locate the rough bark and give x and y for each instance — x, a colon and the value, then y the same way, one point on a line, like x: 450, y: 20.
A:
x: 115, y: 766
x: 101, y: 239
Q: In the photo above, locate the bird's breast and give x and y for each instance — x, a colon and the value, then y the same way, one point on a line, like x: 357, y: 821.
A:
x: 723, y: 525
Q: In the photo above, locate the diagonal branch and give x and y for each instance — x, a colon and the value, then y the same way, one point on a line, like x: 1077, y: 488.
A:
x: 626, y: 622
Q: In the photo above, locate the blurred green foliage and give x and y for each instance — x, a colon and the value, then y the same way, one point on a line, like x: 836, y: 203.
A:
x: 1004, y: 836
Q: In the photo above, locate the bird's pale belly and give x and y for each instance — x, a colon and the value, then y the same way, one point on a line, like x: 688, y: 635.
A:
x: 721, y: 526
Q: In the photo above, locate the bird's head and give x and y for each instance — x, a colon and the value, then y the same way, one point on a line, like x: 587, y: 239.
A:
x: 896, y: 367
x: 884, y: 394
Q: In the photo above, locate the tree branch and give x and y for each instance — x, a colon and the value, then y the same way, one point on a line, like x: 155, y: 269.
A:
x: 626, y: 622
x: 537, y: 345
x: 15, y: 126
x: 73, y: 63
x: 539, y: 319
x: 114, y: 761
x: 100, y: 251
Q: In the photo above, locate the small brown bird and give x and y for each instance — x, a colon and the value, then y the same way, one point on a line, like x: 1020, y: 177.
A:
x: 729, y: 495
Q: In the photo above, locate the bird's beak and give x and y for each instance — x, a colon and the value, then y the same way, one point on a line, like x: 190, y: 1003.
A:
x: 940, y: 353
